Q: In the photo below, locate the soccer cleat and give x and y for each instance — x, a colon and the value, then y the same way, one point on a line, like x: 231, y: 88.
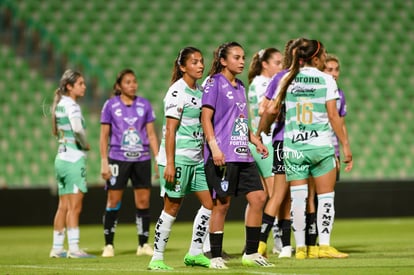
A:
x: 198, y: 260
x: 326, y: 251
x: 262, y: 249
x: 218, y: 263
x: 313, y: 251
x: 286, y: 252
x: 146, y: 249
x: 57, y: 253
x: 225, y: 256
x: 255, y: 260
x: 158, y: 265
x: 301, y: 253
x: 277, y: 246
x: 108, y: 251
x: 80, y: 254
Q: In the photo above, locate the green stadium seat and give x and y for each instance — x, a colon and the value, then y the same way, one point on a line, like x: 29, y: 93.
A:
x: 371, y: 38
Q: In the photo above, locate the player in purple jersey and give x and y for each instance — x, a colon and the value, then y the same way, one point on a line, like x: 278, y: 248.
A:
x: 230, y: 167
x: 70, y: 164
x: 278, y: 204
x: 127, y: 135
x: 309, y: 96
x: 332, y: 67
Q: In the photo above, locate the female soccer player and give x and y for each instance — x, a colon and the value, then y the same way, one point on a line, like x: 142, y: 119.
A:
x: 127, y: 135
x: 279, y: 202
x: 331, y: 67
x: 181, y: 161
x: 70, y: 164
x: 229, y: 165
x: 310, y: 98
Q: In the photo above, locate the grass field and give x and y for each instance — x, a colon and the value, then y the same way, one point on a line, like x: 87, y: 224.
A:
x: 376, y: 246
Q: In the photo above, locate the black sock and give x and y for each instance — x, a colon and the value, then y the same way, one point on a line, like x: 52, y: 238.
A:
x: 311, y: 229
x: 252, y: 239
x: 285, y: 229
x: 110, y: 219
x: 267, y: 224
x: 142, y: 219
x: 216, y: 244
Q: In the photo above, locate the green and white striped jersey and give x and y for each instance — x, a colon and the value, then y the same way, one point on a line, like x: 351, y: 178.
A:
x: 184, y: 104
x: 307, y: 124
x: 66, y: 110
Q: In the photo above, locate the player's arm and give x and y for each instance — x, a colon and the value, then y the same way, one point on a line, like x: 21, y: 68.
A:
x: 153, y: 142
x: 79, y: 132
x: 171, y: 126
x: 337, y: 126
x: 267, y: 118
x: 206, y: 121
x: 103, y: 148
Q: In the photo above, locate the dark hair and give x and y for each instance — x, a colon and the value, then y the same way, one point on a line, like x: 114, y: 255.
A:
x: 287, y: 55
x: 221, y: 52
x: 119, y: 78
x: 256, y: 67
x: 69, y: 77
x: 181, y: 59
x: 302, y: 53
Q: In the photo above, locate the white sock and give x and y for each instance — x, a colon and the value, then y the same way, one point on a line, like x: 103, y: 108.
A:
x: 206, y: 243
x: 299, y: 195
x: 325, y: 217
x: 275, y: 232
x: 162, y: 233
x: 58, y: 240
x: 200, y: 231
x: 73, y: 239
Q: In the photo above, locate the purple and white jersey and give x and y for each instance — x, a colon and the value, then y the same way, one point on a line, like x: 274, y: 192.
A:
x: 271, y: 94
x: 230, y: 119
x: 128, y: 136
x: 341, y: 106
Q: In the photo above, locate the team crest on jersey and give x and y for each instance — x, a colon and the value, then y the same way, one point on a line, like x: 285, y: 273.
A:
x: 140, y: 111
x: 130, y: 120
x: 241, y: 105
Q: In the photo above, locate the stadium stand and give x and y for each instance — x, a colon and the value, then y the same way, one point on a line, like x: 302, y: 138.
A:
x: 372, y: 38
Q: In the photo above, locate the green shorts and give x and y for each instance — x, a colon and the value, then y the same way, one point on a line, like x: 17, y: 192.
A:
x: 189, y: 179
x: 71, y: 176
x: 302, y: 164
x: 264, y: 165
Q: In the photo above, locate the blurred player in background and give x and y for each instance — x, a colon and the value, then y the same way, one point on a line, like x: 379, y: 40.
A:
x: 70, y: 164
x: 264, y: 65
x: 127, y: 135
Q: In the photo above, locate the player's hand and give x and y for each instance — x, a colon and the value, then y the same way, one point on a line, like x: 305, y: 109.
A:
x: 219, y: 158
x: 169, y: 173
x: 261, y: 149
x: 105, y: 170
x: 347, y: 158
